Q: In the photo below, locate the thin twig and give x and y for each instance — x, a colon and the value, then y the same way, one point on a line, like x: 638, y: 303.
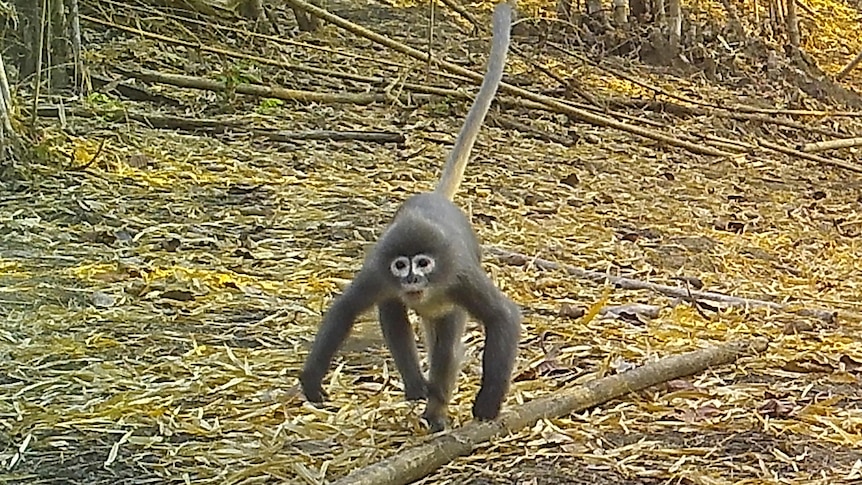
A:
x: 81, y: 168
x: 849, y: 67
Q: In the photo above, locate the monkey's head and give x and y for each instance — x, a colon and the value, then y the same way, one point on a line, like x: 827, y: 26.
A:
x: 414, y: 274
x: 416, y: 258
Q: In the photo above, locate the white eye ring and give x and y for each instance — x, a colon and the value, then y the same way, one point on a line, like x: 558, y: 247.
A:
x: 400, y: 266
x: 423, y: 264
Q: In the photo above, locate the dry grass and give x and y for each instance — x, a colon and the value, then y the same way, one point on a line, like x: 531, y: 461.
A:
x: 157, y: 306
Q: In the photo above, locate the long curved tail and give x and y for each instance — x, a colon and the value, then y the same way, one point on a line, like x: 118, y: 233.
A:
x: 453, y: 172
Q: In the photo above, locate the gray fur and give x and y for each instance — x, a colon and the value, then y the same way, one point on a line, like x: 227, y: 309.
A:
x: 453, y: 286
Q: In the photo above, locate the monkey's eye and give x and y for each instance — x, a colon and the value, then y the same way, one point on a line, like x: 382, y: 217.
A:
x: 423, y: 264
x: 400, y: 266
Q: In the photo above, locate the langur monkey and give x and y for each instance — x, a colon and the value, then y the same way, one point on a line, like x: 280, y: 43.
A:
x: 429, y: 260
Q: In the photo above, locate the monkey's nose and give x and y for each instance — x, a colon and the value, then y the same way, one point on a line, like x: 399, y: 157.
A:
x: 411, y: 279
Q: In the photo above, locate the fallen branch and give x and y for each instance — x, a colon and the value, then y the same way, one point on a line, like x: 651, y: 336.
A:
x: 219, y: 126
x: 331, y: 135
x: 681, y: 110
x: 152, y: 120
x: 555, y: 105
x: 814, y: 158
x: 415, y: 463
x: 849, y: 67
x: 822, y: 146
x: 675, y: 291
x: 129, y: 89
x: 183, y: 81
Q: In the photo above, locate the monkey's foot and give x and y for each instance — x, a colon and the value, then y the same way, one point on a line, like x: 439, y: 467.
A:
x: 317, y: 398
x: 435, y: 423
x: 485, y: 408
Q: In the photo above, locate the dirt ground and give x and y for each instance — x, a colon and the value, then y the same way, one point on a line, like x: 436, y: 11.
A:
x: 159, y: 294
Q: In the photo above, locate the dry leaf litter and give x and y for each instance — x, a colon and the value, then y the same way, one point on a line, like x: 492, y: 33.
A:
x: 157, y: 305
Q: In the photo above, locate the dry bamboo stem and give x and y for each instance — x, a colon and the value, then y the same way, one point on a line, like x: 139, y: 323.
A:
x: 822, y: 146
x: 5, y: 98
x: 258, y: 90
x: 233, y: 125
x: 814, y: 158
x: 676, y: 291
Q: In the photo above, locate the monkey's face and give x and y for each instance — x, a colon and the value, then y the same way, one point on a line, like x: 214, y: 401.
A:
x: 414, y: 273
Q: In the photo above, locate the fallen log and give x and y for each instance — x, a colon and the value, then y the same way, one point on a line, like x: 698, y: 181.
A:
x: 418, y: 462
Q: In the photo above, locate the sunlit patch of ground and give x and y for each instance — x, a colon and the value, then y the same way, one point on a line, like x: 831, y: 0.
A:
x: 157, y: 306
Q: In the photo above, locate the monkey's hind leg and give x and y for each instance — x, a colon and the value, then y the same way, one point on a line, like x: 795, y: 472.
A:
x: 502, y: 321
x: 402, y: 344
x: 445, y: 351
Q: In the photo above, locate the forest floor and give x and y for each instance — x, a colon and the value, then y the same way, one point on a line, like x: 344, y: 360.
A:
x: 161, y: 282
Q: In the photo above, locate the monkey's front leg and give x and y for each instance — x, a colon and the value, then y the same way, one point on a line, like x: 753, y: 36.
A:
x: 445, y: 349
x: 336, y: 325
x: 402, y: 344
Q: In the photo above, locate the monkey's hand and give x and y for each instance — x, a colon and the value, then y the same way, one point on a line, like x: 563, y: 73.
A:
x: 487, y: 405
x: 311, y: 388
x: 435, y: 421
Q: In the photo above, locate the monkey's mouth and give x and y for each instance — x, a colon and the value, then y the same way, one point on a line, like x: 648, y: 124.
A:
x: 414, y: 295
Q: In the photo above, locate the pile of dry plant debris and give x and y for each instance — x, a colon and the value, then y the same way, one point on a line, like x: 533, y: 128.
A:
x: 160, y: 285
